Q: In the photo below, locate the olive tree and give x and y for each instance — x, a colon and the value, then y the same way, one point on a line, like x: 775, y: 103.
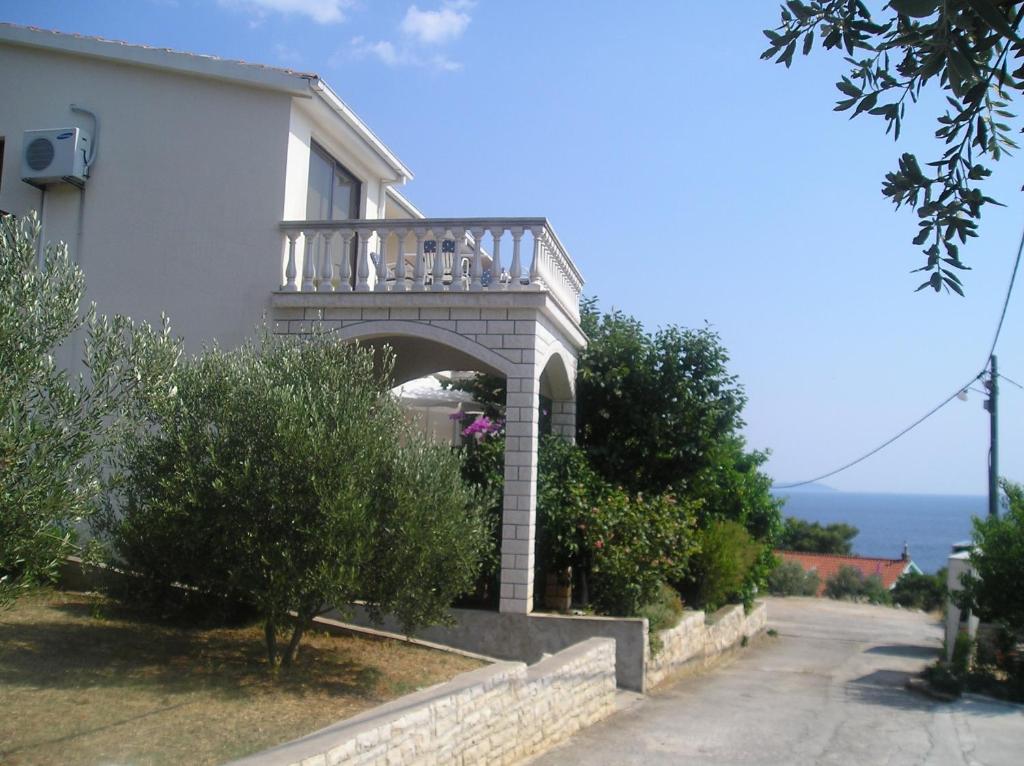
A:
x: 971, y: 51
x: 283, y: 474
x: 56, y: 428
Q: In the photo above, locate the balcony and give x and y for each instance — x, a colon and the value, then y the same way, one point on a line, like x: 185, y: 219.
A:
x: 433, y: 255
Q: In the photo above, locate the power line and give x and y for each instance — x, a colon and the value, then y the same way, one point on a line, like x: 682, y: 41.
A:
x: 1011, y: 380
x: 1006, y: 301
x: 886, y: 443
x: 948, y: 399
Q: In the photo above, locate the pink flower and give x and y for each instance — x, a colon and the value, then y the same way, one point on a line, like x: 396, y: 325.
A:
x: 599, y: 544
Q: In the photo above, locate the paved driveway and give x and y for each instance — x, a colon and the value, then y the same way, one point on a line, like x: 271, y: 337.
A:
x: 827, y: 690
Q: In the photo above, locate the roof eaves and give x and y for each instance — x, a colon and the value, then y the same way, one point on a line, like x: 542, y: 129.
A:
x: 404, y: 202
x: 322, y: 89
x: 255, y: 75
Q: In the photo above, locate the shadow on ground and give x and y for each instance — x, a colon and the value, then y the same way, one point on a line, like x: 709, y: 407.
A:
x: 55, y: 654
x: 905, y: 650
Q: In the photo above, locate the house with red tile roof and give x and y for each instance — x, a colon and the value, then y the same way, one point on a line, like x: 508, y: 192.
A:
x: 827, y: 565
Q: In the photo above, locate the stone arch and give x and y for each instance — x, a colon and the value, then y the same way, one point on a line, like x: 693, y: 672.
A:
x: 445, y: 349
x: 558, y: 375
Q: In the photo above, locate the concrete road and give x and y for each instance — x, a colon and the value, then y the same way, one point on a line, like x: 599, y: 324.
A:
x: 828, y: 689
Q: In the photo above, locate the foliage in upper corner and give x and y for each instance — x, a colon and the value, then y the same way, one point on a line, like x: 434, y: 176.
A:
x: 55, y: 429
x: 813, y: 537
x: 282, y: 474
x: 969, y: 49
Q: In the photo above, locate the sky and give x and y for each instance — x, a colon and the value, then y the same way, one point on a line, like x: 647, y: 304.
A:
x: 691, y: 182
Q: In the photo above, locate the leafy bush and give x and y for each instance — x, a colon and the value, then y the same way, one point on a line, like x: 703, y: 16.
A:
x: 850, y: 584
x: 662, y: 613
x: 633, y: 544
x: 726, y: 553
x: 921, y: 591
x: 283, y: 474
x: 790, y: 579
x: 621, y: 547
x: 659, y: 412
x: 812, y: 537
x: 55, y: 430
x: 996, y: 592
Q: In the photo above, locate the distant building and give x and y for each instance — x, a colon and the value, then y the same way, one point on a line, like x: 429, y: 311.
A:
x: 827, y: 565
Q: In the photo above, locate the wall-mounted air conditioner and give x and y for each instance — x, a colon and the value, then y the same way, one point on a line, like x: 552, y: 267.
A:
x: 55, y: 156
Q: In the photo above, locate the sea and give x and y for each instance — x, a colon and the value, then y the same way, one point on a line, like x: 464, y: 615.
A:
x: 928, y: 524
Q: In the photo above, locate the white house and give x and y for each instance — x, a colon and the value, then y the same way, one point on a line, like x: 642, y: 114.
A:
x: 225, y: 193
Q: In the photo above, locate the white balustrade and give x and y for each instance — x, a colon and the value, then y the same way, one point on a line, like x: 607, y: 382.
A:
x: 438, y: 259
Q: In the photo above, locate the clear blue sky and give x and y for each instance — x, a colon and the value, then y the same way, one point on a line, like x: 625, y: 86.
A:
x: 691, y: 181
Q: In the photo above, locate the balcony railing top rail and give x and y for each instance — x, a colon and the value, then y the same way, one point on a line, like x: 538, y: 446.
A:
x: 428, y: 254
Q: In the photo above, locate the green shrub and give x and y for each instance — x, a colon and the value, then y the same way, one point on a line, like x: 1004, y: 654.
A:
x: 790, y: 579
x: 283, y: 474
x: 851, y: 585
x: 726, y: 553
x: 633, y: 544
x: 812, y: 537
x: 921, y: 591
x: 662, y: 613
x: 56, y: 429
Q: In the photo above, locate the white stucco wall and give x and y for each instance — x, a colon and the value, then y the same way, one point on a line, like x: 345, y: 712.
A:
x: 182, y: 208
x: 191, y: 179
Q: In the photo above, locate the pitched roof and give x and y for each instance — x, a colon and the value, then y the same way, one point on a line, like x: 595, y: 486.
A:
x: 828, y: 565
x: 298, y: 84
x: 259, y: 75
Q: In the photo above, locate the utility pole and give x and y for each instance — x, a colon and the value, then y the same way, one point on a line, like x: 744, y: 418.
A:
x: 992, y: 384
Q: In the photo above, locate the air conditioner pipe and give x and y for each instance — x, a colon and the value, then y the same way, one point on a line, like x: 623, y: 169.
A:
x: 95, y: 135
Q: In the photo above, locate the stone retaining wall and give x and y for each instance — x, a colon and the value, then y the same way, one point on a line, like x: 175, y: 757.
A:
x: 500, y: 714
x: 699, y: 639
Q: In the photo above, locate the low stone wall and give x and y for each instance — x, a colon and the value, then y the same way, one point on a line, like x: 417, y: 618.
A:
x: 500, y: 714
x: 528, y: 637
x: 698, y: 639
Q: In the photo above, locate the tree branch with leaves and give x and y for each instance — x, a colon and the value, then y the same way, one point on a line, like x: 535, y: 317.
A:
x: 972, y: 50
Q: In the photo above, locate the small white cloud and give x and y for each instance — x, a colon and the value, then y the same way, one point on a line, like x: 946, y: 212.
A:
x: 320, y: 11
x: 395, y: 56
x: 436, y: 27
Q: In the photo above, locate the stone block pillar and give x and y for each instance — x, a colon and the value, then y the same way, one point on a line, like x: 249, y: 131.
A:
x: 563, y: 419
x: 519, y: 517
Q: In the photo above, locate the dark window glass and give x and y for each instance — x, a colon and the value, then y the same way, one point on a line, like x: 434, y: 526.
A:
x: 333, y: 195
x: 334, y: 192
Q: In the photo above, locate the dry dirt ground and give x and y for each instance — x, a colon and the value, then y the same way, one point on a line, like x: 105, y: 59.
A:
x: 84, y: 683
x: 827, y: 689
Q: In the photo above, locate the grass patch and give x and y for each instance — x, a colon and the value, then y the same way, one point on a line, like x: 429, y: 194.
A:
x: 84, y: 682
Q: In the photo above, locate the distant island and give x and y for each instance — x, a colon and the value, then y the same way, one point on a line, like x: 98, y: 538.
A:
x: 812, y: 487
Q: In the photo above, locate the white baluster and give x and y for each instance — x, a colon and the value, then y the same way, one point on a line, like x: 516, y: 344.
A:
x: 308, y: 267
x: 458, y: 237
x: 476, y: 266
x: 538, y: 253
x: 496, y: 234
x: 400, y: 286
x: 381, y: 262
x: 362, y: 262
x: 515, y: 281
x: 326, y: 284
x: 289, y: 285
x: 345, y: 272
x: 438, y: 271
x: 419, y: 269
